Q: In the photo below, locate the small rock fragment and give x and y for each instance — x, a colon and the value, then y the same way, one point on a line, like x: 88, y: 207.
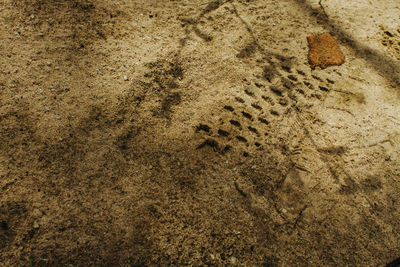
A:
x: 37, y: 213
x: 324, y: 51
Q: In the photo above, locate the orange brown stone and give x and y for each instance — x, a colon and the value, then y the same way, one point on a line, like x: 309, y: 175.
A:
x: 324, y: 51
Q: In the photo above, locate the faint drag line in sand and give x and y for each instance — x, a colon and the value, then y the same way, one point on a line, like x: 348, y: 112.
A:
x: 253, y: 36
x: 211, y: 6
x: 394, y: 120
x: 322, y: 8
x: 332, y: 168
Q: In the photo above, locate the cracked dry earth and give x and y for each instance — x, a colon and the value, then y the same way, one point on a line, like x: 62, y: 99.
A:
x: 138, y: 133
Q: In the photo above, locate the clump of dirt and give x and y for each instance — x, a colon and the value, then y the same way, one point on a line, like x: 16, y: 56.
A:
x: 324, y: 51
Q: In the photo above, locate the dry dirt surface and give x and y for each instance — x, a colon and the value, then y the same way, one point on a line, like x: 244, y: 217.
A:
x: 154, y: 133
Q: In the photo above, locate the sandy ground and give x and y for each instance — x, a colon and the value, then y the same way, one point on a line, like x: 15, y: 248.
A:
x: 195, y: 132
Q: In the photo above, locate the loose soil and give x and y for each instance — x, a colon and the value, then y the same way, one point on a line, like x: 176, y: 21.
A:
x: 146, y: 133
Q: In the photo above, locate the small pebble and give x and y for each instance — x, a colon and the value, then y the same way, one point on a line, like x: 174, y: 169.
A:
x: 37, y: 213
x: 126, y: 78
